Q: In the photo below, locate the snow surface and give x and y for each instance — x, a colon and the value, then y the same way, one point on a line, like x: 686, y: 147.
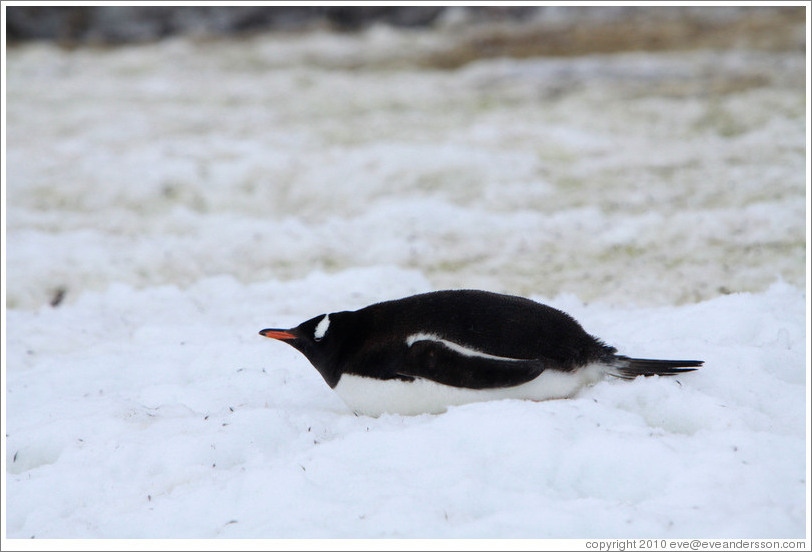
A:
x: 184, y: 195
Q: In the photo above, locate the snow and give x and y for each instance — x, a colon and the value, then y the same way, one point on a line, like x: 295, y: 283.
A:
x: 184, y: 195
x: 159, y: 422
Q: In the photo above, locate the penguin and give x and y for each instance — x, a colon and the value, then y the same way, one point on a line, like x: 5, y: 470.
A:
x: 427, y: 352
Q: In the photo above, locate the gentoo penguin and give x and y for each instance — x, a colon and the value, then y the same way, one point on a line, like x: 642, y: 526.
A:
x: 423, y: 353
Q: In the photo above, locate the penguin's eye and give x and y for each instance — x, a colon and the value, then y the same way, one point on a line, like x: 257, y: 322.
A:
x: 321, y: 328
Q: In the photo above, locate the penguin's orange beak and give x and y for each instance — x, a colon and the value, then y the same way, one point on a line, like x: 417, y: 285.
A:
x: 277, y: 334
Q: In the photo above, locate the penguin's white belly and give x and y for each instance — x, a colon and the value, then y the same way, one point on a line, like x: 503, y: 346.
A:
x: 374, y: 397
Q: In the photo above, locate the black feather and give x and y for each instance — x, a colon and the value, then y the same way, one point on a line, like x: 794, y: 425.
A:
x: 629, y: 368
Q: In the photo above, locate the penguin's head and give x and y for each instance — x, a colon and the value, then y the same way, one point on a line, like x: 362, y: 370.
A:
x: 317, y: 340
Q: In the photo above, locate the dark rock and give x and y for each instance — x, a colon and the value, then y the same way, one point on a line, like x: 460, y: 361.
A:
x: 352, y: 18
x: 123, y: 24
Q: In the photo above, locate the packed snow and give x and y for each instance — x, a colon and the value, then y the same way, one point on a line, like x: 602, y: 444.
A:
x: 166, y: 202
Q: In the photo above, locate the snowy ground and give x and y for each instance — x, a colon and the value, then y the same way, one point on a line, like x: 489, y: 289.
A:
x: 173, y: 199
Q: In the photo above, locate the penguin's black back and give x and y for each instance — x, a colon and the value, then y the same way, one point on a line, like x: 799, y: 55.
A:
x: 501, y: 325
x: 425, y: 352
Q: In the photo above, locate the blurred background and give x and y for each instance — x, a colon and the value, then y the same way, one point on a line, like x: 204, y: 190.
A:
x: 641, y: 155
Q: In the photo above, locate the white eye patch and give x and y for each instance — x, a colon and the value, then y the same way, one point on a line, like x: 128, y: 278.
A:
x: 321, y: 329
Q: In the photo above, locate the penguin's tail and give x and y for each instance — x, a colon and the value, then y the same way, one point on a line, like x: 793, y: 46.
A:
x: 629, y: 368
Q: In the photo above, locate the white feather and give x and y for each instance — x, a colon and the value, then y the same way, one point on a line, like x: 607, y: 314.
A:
x: 456, y: 347
x: 374, y: 397
x: 321, y: 329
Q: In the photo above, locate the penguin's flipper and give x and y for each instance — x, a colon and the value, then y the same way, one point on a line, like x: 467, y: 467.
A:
x: 452, y: 364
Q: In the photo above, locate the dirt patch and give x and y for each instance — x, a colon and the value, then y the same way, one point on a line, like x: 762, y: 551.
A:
x: 638, y: 29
